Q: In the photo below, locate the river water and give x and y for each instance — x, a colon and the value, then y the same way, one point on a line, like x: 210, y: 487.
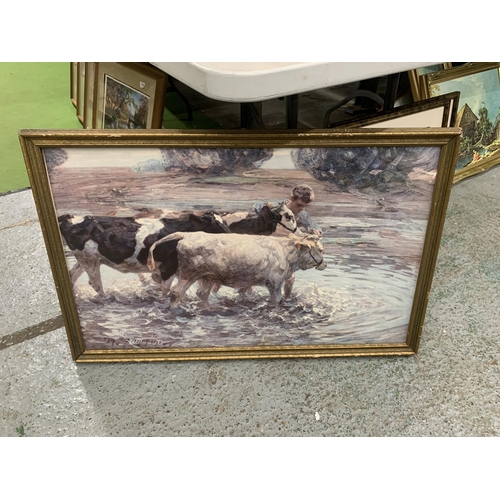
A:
x: 363, y: 296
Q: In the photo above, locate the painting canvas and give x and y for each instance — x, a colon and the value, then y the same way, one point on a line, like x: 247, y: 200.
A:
x: 188, y: 246
x: 478, y: 113
x: 125, y: 107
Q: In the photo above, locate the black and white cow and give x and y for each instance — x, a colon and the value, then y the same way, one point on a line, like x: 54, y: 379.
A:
x: 123, y: 243
x: 278, y: 221
x: 239, y: 261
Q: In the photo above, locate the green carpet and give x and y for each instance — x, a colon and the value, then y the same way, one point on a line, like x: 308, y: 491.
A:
x: 36, y: 95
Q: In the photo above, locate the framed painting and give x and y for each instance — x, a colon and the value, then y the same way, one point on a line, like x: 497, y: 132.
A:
x: 435, y: 112
x: 478, y: 113
x: 128, y: 96
x: 414, y: 78
x: 188, y: 245
x: 80, y: 91
x: 73, y: 72
x: 88, y: 106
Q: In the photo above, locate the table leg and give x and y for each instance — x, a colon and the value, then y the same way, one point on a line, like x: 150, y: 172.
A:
x: 174, y: 87
x: 391, y: 91
x: 292, y: 111
x: 362, y: 104
x: 250, y: 114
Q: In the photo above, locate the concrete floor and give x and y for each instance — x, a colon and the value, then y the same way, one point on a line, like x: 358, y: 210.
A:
x: 450, y: 388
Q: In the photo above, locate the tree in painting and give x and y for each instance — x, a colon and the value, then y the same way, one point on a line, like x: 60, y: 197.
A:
x: 55, y: 157
x: 344, y: 169
x: 465, y: 146
x: 141, y: 113
x: 484, y: 127
x: 215, y: 161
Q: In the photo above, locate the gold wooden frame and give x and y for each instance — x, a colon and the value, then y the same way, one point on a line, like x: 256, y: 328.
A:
x: 73, y: 71
x: 415, y: 82
x: 389, y: 118
x: 141, y: 78
x: 428, y: 83
x: 88, y: 106
x: 36, y: 145
x: 80, y: 90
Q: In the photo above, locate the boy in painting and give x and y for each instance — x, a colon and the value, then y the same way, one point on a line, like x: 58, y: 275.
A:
x: 300, y: 197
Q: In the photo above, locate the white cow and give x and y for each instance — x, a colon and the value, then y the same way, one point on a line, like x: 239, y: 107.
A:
x: 239, y: 261
x: 271, y: 220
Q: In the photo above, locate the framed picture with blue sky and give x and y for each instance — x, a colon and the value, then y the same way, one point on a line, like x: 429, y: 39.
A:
x: 478, y: 112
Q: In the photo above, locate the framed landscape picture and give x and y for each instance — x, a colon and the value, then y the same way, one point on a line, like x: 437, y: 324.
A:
x: 188, y: 245
x: 478, y: 113
x: 128, y: 96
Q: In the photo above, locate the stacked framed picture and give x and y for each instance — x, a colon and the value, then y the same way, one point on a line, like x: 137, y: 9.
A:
x: 80, y: 90
x: 88, y: 107
x: 118, y: 95
x: 73, y: 72
x: 440, y: 111
x: 128, y: 96
x: 478, y: 112
x: 415, y: 74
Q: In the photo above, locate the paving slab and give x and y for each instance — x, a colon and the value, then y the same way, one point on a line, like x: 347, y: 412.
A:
x: 27, y: 290
x: 17, y: 208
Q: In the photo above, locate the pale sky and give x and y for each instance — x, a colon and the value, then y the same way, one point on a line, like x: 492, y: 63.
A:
x: 109, y: 157
x: 281, y: 160
x: 476, y: 89
x: 128, y: 157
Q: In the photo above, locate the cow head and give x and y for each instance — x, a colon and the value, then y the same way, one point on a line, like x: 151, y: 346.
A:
x: 209, y: 222
x: 281, y: 215
x: 311, y: 252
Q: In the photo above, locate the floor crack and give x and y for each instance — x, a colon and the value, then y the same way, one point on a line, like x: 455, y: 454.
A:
x: 17, y: 224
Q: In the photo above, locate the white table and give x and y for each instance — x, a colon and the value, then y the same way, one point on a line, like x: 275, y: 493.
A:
x: 260, y: 81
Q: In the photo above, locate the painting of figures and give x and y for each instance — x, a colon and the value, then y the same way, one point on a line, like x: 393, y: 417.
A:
x: 247, y: 247
x: 124, y: 106
x: 478, y: 113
